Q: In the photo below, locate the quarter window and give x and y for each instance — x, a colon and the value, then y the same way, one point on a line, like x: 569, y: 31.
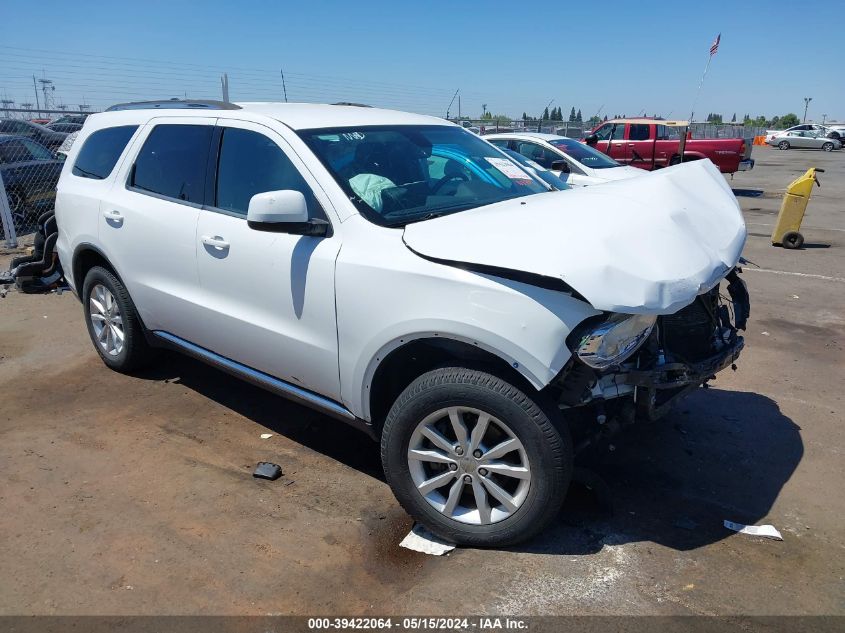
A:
x: 172, y: 162
x: 251, y: 163
x: 101, y: 150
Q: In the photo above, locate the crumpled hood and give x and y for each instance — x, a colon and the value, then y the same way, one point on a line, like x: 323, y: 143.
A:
x: 642, y: 245
x: 619, y: 173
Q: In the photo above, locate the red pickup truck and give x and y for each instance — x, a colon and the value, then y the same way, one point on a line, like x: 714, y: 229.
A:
x: 654, y: 143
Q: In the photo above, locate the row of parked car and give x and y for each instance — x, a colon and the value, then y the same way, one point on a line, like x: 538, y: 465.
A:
x: 807, y: 136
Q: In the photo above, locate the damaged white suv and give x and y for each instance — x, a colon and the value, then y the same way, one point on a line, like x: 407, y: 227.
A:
x: 403, y: 275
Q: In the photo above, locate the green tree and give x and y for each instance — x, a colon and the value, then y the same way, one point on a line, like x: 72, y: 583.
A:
x: 524, y: 116
x: 788, y: 120
x: 733, y: 118
x: 578, y: 116
x: 546, y: 114
x: 572, y: 114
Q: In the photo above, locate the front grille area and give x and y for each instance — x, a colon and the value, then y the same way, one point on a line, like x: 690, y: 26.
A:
x: 689, y: 334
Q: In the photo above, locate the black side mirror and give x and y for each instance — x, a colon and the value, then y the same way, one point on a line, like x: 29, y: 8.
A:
x: 561, y: 166
x: 592, y: 139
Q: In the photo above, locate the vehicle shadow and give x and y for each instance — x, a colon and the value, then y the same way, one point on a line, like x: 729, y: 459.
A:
x: 747, y: 193
x: 319, y: 432
x: 718, y: 455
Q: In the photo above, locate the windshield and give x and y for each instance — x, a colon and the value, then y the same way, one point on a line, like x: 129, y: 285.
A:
x: 400, y: 174
x: 584, y: 154
x: 538, y: 170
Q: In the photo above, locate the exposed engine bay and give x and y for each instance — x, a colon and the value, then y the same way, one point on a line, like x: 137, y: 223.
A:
x: 681, y: 352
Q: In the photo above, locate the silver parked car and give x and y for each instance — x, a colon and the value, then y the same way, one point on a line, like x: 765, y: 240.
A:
x: 804, y: 139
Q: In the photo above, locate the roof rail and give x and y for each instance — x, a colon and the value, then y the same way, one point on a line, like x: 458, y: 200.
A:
x: 175, y: 104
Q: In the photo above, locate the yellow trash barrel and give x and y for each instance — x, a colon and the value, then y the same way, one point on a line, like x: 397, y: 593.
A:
x: 788, y: 226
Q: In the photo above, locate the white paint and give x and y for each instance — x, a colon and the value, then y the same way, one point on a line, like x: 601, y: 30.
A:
x: 646, y: 245
x: 580, y: 174
x: 323, y: 314
x: 793, y: 274
x: 813, y: 228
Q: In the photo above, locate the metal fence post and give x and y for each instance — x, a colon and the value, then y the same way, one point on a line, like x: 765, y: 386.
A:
x: 6, y: 216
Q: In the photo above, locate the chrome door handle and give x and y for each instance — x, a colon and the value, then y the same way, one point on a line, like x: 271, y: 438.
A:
x: 215, y: 241
x: 113, y: 215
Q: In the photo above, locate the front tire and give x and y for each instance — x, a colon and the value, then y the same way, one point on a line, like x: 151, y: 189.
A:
x: 113, y: 323
x: 475, y: 459
x: 783, y: 145
x: 827, y: 147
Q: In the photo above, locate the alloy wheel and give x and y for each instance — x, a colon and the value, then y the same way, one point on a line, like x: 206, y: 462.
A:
x: 106, y: 320
x: 469, y: 466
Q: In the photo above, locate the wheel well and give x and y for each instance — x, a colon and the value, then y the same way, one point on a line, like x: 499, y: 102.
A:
x: 406, y: 363
x: 84, y: 261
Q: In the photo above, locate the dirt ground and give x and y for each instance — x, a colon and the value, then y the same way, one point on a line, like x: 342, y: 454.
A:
x: 134, y: 495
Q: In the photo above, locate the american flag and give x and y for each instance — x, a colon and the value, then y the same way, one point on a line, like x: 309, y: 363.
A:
x: 715, y: 45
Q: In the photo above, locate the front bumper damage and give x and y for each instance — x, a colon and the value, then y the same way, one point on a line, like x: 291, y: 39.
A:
x: 684, y: 351
x: 656, y: 389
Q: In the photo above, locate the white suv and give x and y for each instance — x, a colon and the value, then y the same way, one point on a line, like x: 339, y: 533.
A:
x: 405, y: 276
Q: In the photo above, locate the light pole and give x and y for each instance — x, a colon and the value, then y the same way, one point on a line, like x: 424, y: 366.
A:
x: 806, y: 105
x: 824, y: 116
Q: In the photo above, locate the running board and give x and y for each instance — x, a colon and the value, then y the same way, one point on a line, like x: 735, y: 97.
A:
x: 260, y: 379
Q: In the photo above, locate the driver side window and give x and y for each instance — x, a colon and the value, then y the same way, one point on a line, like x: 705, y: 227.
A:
x: 251, y: 163
x: 538, y: 154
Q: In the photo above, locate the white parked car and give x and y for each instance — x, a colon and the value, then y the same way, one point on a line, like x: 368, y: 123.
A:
x: 579, y: 163
x: 402, y: 275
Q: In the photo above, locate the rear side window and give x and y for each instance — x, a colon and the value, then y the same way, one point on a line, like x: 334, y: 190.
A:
x: 251, y: 163
x: 101, y: 150
x: 638, y: 132
x: 172, y: 162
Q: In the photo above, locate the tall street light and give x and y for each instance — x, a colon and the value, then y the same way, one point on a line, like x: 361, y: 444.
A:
x: 806, y: 105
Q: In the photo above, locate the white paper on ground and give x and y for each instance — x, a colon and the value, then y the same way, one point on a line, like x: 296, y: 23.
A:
x: 766, y: 531
x: 421, y: 540
x: 266, y: 436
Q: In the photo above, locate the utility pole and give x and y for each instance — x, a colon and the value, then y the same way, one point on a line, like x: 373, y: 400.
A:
x: 824, y: 116
x: 284, y: 87
x: 806, y: 105
x: 46, y: 84
x: 459, y: 106
x: 449, y: 107
x: 35, y: 87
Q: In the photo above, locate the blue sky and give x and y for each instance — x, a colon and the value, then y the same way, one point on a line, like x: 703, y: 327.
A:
x: 626, y: 57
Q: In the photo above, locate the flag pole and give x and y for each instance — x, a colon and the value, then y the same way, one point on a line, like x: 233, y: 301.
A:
x: 698, y: 92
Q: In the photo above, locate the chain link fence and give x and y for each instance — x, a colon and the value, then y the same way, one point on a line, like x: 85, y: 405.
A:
x: 578, y: 129
x: 31, y: 158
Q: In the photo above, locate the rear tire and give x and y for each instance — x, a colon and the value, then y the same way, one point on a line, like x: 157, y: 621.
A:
x: 113, y: 323
x: 792, y: 240
x: 783, y: 145
x: 453, y: 425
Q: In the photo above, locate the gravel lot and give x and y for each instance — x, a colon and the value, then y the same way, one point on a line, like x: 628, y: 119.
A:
x: 134, y: 495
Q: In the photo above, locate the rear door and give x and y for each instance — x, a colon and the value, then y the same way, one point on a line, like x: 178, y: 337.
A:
x: 268, y: 298
x: 639, y: 149
x: 148, y: 221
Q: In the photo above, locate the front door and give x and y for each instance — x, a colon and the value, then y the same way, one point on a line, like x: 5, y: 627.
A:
x: 268, y: 298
